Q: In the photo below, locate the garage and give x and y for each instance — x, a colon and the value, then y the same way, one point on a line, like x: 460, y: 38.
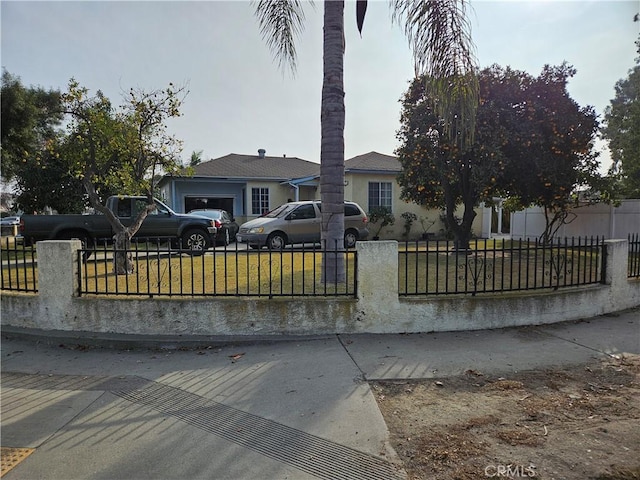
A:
x: 204, y: 202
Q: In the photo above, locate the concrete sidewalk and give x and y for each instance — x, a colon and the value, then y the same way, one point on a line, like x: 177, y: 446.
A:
x: 284, y: 410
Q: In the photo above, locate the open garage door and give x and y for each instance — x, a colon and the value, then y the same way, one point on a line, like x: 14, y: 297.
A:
x: 199, y: 202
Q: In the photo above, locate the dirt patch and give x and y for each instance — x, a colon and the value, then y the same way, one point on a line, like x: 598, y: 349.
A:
x: 576, y: 423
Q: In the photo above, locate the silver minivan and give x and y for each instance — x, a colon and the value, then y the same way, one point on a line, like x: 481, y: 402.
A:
x: 300, y: 222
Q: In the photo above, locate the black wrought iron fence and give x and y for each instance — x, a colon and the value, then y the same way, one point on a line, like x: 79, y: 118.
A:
x: 19, y: 266
x: 162, y: 270
x: 435, y: 268
x: 633, y: 270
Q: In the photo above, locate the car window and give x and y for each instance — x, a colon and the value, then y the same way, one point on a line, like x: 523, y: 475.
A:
x: 351, y: 210
x: 304, y: 212
x: 280, y: 211
x: 124, y: 207
x: 206, y: 213
x: 160, y: 208
x: 140, y: 204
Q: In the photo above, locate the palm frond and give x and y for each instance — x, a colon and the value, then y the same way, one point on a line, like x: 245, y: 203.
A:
x: 361, y: 11
x: 281, y: 22
x: 439, y: 34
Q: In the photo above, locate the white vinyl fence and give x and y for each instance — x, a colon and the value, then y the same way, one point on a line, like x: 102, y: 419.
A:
x: 601, y: 220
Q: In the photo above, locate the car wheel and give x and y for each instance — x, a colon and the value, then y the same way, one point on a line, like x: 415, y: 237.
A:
x: 350, y: 238
x: 276, y: 241
x: 196, y: 241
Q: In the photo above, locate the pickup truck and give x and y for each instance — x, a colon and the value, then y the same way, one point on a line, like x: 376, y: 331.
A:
x: 194, y: 233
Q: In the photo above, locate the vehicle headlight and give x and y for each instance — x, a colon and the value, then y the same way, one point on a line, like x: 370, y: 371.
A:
x: 256, y: 230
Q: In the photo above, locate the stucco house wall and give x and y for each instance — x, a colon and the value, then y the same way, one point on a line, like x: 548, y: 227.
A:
x: 374, y: 167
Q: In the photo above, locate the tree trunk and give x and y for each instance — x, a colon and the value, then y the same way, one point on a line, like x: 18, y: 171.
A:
x: 122, y: 261
x: 461, y: 231
x: 463, y: 237
x: 332, y: 119
x: 554, y: 219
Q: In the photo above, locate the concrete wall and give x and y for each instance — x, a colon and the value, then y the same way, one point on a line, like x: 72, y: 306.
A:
x: 378, y: 308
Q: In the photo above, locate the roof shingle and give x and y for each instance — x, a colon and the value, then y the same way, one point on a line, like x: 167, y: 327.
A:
x: 252, y: 166
x: 287, y: 168
x: 373, y: 161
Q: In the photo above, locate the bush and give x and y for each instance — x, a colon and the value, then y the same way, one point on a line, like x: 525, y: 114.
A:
x: 409, y: 218
x: 381, y: 216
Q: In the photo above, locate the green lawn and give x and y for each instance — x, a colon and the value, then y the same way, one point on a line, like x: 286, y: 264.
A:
x: 19, y: 268
x: 13, y: 250
x: 493, y: 266
x: 244, y: 273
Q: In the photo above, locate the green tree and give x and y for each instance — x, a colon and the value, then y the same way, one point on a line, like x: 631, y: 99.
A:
x: 553, y: 139
x: 622, y: 129
x: 35, y: 150
x: 196, y: 158
x: 30, y: 117
x: 437, y: 171
x: 121, y: 150
x: 438, y: 32
x: 31, y: 124
x: 45, y: 181
x: 532, y: 142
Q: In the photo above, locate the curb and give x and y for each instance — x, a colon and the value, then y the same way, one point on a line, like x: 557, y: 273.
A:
x: 122, y: 341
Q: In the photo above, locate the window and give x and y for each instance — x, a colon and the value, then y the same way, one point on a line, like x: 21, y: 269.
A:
x: 259, y: 201
x: 304, y: 212
x: 350, y: 210
x: 379, y: 194
x: 139, y: 205
x: 124, y: 207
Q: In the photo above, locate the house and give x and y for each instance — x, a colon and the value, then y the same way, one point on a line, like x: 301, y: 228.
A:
x: 249, y: 185
x: 245, y: 185
x: 370, y: 181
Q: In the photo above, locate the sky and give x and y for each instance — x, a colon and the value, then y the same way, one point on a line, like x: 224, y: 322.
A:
x: 240, y: 100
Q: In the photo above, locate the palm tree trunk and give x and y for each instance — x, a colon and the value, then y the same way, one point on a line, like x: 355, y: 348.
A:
x: 332, y: 119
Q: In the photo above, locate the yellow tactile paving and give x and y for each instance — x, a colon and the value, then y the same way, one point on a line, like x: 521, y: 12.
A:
x: 10, y: 457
